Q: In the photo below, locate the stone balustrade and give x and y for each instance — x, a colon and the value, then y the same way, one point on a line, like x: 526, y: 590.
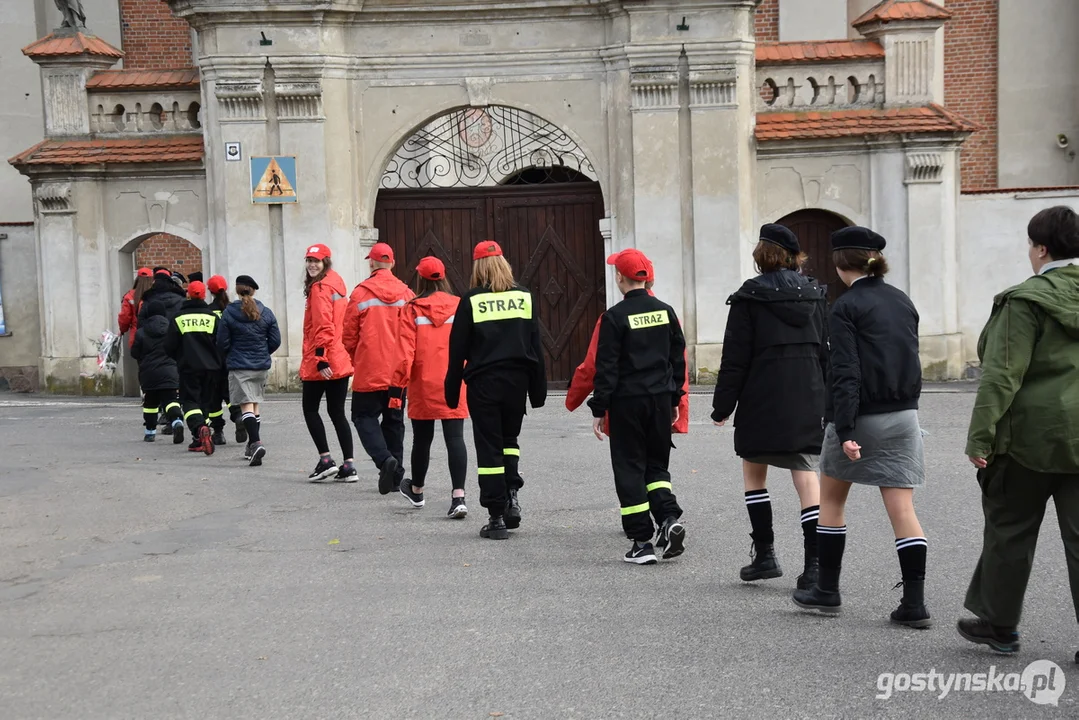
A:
x: 827, y: 86
x: 146, y: 112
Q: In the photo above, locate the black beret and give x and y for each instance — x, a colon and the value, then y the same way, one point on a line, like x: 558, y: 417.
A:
x: 782, y: 236
x: 857, y: 238
x: 194, y: 276
x: 178, y: 277
x: 248, y: 281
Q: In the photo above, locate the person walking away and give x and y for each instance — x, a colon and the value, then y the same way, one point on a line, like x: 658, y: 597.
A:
x: 775, y: 357
x: 192, y: 342
x: 1022, y: 431
x: 163, y: 298
x: 495, y: 349
x: 582, y: 380
x: 247, y: 336
x: 424, y: 346
x: 874, y: 438
x: 218, y: 288
x: 640, y: 362
x: 158, y: 378
x: 326, y: 365
x: 128, y: 319
x: 370, y: 338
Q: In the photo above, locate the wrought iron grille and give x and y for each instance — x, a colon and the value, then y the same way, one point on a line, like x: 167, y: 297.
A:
x: 478, y: 147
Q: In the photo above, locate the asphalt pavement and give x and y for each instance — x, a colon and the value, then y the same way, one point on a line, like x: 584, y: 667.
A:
x: 143, y: 581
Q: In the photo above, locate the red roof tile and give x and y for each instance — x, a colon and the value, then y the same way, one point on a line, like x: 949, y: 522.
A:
x: 774, y: 53
x: 890, y: 10
x: 185, y: 79
x: 179, y: 148
x: 54, y: 45
x: 849, y: 123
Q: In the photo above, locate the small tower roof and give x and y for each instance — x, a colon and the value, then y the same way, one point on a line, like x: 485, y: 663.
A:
x: 56, y: 45
x: 891, y: 10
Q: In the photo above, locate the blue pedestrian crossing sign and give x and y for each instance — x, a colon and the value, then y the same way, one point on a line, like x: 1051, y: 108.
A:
x: 273, y: 179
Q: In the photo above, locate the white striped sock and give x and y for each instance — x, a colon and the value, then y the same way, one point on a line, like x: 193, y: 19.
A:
x: 828, y: 530
x: 813, y: 514
x: 901, y: 543
x: 758, y: 498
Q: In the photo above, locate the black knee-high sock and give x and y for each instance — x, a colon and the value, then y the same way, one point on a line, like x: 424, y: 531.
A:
x: 252, y: 426
x: 759, y: 506
x: 809, y: 530
x: 831, y: 541
x: 912, y: 552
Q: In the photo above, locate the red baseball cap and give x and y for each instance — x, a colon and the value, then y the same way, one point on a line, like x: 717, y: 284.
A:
x: 632, y: 264
x: 196, y: 290
x: 381, y: 252
x: 217, y: 283
x: 486, y: 249
x: 431, y: 268
x: 318, y: 252
x: 145, y: 272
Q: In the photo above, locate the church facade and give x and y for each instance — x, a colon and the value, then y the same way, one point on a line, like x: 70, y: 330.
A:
x: 564, y: 130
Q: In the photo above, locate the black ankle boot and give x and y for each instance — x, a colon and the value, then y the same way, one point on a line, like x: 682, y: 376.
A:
x: 495, y: 529
x: 826, y: 601
x: 513, y: 510
x: 810, y: 574
x: 912, y: 611
x: 764, y: 565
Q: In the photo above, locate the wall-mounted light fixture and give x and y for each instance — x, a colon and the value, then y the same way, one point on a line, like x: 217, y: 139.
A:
x: 265, y: 40
x: 683, y: 27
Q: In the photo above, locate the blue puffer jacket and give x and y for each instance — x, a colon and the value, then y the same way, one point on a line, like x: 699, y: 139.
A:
x: 248, y: 344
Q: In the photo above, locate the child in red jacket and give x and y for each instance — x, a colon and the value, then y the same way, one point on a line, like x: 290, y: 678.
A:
x: 424, y: 344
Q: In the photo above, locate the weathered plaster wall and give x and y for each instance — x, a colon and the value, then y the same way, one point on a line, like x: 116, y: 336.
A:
x: 20, y: 349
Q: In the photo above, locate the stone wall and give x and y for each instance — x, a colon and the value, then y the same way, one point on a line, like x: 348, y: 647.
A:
x: 970, y: 85
x: 20, y: 347
x: 766, y: 21
x: 170, y: 251
x: 153, y: 38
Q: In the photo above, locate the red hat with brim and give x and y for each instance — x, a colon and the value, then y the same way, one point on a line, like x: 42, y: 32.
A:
x: 632, y: 264
x: 196, y: 290
x: 431, y: 268
x: 145, y: 272
x: 318, y: 252
x: 217, y: 283
x: 381, y: 252
x: 486, y: 249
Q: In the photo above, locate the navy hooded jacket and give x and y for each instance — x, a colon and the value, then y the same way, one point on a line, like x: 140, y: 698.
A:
x: 248, y: 344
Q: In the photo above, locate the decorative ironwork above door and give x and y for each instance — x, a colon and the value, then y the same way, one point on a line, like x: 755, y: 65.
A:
x: 483, y: 147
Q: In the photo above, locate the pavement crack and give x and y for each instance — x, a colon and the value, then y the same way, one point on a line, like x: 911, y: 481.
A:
x: 80, y: 633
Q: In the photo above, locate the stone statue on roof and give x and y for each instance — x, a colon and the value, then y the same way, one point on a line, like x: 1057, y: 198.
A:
x: 74, y: 17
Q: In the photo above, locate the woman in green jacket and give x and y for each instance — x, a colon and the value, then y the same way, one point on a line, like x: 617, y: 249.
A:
x: 1024, y: 432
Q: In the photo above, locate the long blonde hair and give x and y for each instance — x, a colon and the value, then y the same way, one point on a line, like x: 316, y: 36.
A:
x: 494, y: 273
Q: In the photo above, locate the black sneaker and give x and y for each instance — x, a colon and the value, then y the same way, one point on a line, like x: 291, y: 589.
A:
x: 814, y: 598
x: 495, y: 529
x: 206, y: 439
x: 914, y: 616
x: 671, y: 540
x: 219, y: 437
x: 405, y: 488
x: 641, y: 554
x: 257, y: 453
x: 976, y: 630
x: 347, y: 473
x: 247, y: 451
x: 166, y: 427
x: 325, y: 468
x: 764, y: 565
x: 513, y: 510
x: 149, y: 435
x: 809, y: 575
x: 387, y: 475
x: 241, y: 433
x: 177, y: 428
x: 457, y: 508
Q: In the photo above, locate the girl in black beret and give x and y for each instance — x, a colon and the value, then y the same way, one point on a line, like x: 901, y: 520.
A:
x: 773, y: 369
x: 874, y: 437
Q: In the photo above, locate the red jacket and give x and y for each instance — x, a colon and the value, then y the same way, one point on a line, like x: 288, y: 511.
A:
x: 424, y: 345
x: 370, y: 334
x: 323, y: 317
x: 580, y: 386
x: 129, y: 316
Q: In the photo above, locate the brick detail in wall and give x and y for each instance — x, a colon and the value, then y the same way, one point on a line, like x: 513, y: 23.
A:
x: 152, y: 37
x: 170, y: 251
x: 970, y: 85
x: 766, y: 21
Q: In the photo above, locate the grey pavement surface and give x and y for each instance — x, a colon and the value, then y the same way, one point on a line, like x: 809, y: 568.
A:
x: 141, y: 581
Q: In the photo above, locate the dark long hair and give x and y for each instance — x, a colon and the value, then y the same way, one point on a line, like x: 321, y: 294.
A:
x: 221, y: 299
x: 142, y: 284
x: 425, y: 287
x: 870, y: 262
x: 247, y: 302
x: 308, y: 281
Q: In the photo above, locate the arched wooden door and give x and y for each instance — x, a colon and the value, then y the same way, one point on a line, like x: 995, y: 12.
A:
x: 814, y: 229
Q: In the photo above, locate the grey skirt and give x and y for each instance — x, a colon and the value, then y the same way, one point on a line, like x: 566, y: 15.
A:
x: 787, y: 461
x: 247, y: 386
x: 892, y: 451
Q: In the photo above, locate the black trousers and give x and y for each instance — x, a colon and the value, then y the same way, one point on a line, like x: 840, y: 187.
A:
x: 496, y: 401
x: 382, y: 439
x: 640, y: 453
x: 336, y: 391
x: 423, y: 434
x: 159, y: 401
x: 198, y: 393
x: 217, y: 411
x: 1013, y: 502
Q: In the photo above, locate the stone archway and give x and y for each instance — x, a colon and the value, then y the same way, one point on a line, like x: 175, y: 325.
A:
x: 507, y: 174
x: 814, y: 229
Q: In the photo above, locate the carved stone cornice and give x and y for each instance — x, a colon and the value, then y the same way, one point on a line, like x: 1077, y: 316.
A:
x: 240, y: 99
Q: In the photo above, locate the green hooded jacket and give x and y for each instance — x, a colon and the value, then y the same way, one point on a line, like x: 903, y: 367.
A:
x: 1028, y: 401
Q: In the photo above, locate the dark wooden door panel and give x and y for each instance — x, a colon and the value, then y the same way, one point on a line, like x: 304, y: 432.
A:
x: 814, y: 229
x: 549, y: 233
